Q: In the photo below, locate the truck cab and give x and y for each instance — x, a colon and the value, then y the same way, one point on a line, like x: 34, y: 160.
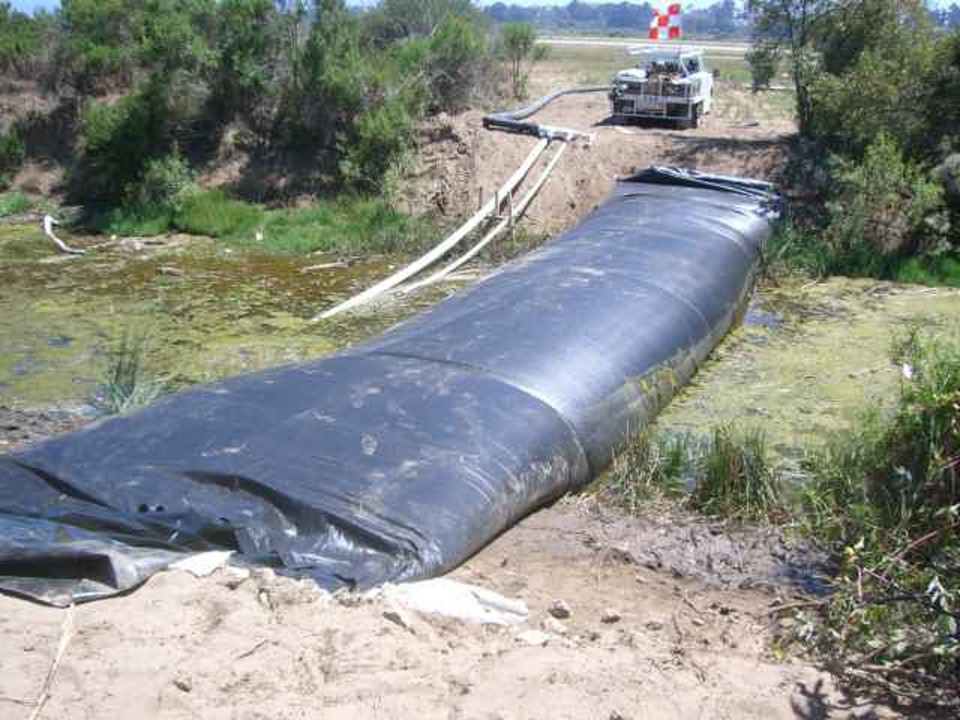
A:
x: 669, y: 83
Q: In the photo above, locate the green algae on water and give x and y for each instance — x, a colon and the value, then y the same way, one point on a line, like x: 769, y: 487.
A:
x: 210, y: 311
x: 824, y: 359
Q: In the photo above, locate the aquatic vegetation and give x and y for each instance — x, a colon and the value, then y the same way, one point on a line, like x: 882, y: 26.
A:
x: 736, y: 476
x: 648, y: 467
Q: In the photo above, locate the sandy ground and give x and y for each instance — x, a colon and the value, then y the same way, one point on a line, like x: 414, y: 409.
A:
x: 459, y: 159
x: 659, y: 627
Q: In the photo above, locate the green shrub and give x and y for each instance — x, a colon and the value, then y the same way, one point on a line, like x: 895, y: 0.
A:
x: 382, y: 136
x: 887, y: 496
x: 735, y: 477
x: 763, y: 59
x: 518, y: 45
x: 248, y: 43
x: 879, y: 211
x: 21, y: 41
x: 400, y: 20
x: 14, y: 203
x: 12, y: 151
x: 118, y: 140
x: 457, y: 58
x: 880, y: 60
x: 163, y: 186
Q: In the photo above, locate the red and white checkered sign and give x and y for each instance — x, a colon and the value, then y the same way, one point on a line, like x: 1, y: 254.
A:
x: 666, y: 26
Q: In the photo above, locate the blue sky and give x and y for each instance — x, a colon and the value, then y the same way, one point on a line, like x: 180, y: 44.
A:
x: 30, y: 5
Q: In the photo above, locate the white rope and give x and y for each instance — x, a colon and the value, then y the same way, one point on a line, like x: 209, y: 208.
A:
x: 490, y: 236
x: 444, y: 247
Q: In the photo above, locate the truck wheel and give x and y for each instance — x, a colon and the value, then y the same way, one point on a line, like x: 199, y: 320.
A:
x: 693, y: 121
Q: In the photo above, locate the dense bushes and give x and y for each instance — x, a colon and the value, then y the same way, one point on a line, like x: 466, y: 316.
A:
x: 887, y: 496
x: 877, y: 214
x: 335, y: 90
x: 878, y: 90
x: 21, y: 41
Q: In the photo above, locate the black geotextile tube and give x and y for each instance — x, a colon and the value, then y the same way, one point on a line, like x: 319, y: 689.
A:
x: 403, y: 456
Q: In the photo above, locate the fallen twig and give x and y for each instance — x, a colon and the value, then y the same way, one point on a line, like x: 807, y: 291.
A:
x: 66, y: 634
x: 871, y: 676
x: 251, y: 651
x: 324, y: 266
x: 15, y: 701
x: 820, y: 602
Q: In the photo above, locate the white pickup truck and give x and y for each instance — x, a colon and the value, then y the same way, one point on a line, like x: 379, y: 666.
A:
x: 671, y: 83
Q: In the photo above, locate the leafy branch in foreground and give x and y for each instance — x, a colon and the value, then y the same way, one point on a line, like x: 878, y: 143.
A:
x: 887, y: 496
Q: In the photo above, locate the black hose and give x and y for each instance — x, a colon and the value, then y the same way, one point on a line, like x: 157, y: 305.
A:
x: 513, y: 120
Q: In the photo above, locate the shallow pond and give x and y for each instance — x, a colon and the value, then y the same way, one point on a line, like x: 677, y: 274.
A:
x: 207, y: 312
x: 808, y: 358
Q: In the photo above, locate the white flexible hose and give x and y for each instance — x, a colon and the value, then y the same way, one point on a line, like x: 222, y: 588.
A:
x: 48, y: 224
x: 490, y: 236
x: 444, y: 247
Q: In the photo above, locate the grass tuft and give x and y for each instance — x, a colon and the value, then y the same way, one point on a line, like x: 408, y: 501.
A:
x: 648, y: 468
x: 127, y: 383
x: 736, y: 477
x: 732, y: 473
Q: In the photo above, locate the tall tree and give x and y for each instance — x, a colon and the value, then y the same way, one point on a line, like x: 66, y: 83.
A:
x: 792, y: 24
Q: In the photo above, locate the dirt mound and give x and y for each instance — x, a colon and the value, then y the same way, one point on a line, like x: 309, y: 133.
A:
x: 459, y: 161
x: 20, y: 427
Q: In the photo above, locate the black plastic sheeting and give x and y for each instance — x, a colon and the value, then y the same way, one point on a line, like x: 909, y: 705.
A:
x: 403, y: 456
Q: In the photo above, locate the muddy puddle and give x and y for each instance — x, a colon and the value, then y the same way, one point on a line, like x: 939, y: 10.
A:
x: 207, y: 311
x: 809, y: 358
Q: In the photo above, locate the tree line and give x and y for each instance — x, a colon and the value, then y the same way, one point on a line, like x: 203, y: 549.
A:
x: 722, y: 19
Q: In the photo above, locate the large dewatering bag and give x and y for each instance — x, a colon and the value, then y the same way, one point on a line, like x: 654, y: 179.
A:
x: 401, y: 457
